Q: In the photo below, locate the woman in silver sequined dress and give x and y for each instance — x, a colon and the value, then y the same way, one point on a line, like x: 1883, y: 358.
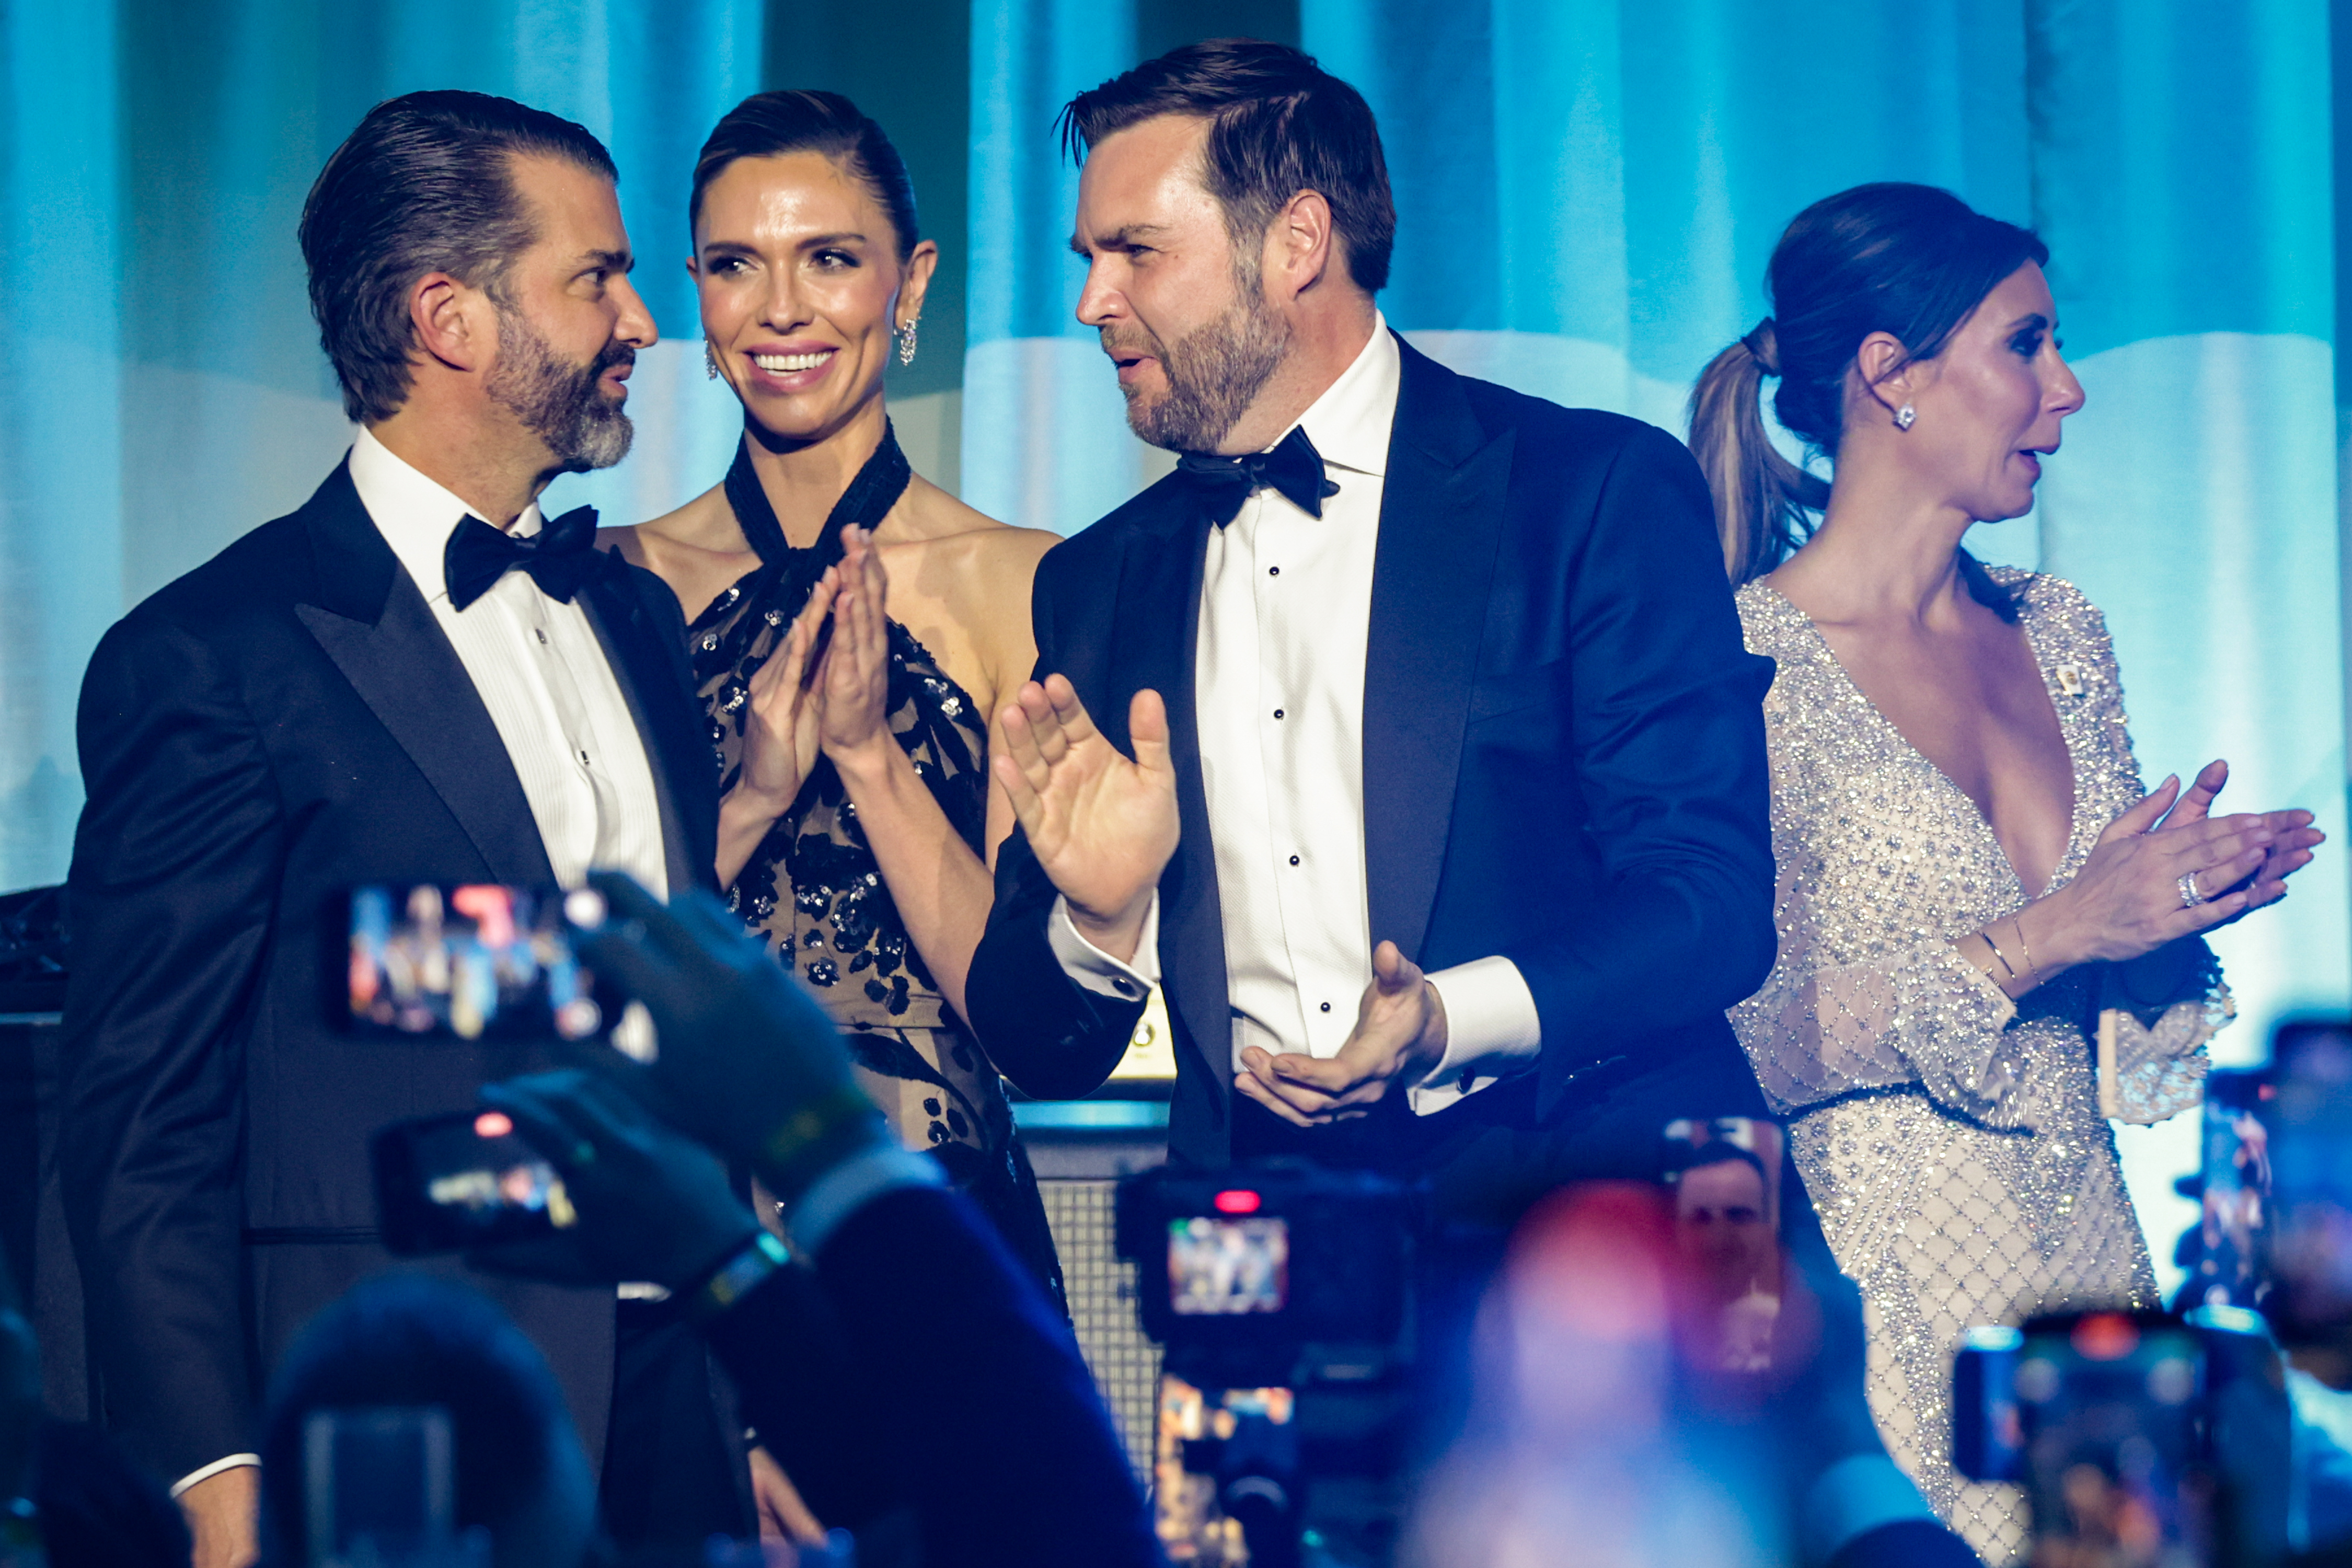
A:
x: 1989, y: 934
x: 851, y: 625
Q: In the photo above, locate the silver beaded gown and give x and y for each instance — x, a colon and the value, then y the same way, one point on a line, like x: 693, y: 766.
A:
x: 1953, y: 1141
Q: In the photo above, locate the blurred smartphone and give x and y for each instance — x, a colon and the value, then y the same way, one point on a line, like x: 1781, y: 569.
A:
x: 1723, y: 1174
x: 2234, y: 1175
x: 378, y: 1487
x: 2308, y: 1124
x: 2114, y: 1465
x: 1988, y: 1431
x: 448, y: 1184
x: 469, y: 963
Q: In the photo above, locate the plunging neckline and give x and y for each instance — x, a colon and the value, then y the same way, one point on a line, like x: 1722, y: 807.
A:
x: 2069, y: 859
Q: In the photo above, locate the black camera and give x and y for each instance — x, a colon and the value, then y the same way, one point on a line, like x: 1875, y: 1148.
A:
x: 452, y: 1183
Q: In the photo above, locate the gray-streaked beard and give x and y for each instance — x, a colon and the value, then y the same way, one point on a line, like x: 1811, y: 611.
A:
x: 1214, y: 373
x: 562, y: 405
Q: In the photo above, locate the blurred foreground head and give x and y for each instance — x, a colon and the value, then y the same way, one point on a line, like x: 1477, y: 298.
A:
x: 1577, y: 1440
x: 406, y: 1341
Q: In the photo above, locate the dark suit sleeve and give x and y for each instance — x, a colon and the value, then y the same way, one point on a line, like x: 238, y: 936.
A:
x: 1051, y: 1037
x: 970, y: 1384
x: 174, y: 873
x: 1667, y: 733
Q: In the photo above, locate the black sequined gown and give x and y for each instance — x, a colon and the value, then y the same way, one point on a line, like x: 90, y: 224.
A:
x: 813, y: 888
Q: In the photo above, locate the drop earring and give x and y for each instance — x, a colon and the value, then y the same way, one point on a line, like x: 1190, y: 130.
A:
x: 907, y: 342
x: 1904, y: 415
x: 709, y: 359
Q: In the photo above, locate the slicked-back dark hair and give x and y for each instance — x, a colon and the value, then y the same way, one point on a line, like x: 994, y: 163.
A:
x: 1279, y: 124
x: 424, y: 185
x: 804, y: 120
x: 1910, y: 261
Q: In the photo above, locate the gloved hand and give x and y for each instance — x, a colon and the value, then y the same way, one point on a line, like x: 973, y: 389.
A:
x: 748, y: 1063
x: 653, y: 1203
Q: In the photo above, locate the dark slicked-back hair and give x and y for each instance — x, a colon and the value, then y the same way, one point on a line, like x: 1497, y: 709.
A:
x: 1279, y: 124
x: 804, y: 119
x: 423, y: 185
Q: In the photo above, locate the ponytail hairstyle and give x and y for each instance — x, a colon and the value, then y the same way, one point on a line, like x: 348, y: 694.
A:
x: 1910, y: 261
x: 802, y: 120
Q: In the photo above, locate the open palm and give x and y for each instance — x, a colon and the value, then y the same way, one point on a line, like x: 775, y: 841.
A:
x: 1101, y: 825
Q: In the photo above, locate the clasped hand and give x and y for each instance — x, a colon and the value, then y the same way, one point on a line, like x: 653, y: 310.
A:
x: 808, y: 701
x: 2126, y: 900
x: 1400, y: 1034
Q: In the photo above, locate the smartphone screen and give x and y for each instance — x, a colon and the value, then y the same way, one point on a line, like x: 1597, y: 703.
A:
x: 378, y: 1485
x: 478, y: 962
x: 2110, y: 1404
x: 1219, y: 1267
x: 2309, y: 1126
x: 2234, y: 1221
x: 1723, y: 1174
x: 446, y: 1183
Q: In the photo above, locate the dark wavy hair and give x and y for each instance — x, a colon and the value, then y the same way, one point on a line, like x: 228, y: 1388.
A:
x: 1910, y: 261
x: 804, y: 119
x: 424, y: 185
x: 1279, y: 124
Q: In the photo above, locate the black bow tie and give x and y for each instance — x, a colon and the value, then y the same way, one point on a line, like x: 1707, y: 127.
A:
x: 1293, y: 468
x: 559, y: 557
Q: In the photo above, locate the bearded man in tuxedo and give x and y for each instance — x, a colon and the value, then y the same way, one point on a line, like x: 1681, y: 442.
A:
x: 413, y: 678
x: 1403, y: 735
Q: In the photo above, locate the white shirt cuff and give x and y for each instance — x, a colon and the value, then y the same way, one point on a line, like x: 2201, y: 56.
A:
x: 851, y: 1185
x: 1492, y: 1032
x: 235, y: 1461
x: 1097, y: 970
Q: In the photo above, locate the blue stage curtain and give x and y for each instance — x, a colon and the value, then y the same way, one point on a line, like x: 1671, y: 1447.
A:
x: 160, y: 386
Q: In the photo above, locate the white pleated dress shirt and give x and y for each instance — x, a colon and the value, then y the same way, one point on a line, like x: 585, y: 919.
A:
x: 1284, y: 627
x: 539, y: 670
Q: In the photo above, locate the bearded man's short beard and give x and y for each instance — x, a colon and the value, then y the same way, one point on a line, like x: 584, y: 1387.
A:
x: 564, y: 405
x: 1214, y: 373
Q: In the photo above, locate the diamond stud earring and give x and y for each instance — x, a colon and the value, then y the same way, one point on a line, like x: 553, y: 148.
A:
x: 1904, y: 415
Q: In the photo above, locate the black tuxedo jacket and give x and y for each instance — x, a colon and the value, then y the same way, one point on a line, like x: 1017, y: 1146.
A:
x: 1563, y: 763
x: 282, y: 723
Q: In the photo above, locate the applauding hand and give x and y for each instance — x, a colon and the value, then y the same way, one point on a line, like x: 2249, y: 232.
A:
x: 1399, y: 1033
x: 1102, y: 827
x: 853, y: 724
x: 780, y: 731
x: 2131, y: 897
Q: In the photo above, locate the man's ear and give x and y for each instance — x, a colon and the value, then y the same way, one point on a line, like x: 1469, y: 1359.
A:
x: 1298, y: 246
x: 452, y: 323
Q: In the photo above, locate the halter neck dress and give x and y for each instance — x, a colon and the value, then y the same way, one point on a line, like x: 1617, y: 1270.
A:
x: 812, y: 890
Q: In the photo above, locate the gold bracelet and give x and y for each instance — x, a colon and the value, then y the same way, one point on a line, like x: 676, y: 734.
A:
x: 2027, y: 947
x: 1994, y: 948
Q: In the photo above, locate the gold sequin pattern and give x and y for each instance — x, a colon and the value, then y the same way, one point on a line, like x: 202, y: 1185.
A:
x: 1951, y: 1139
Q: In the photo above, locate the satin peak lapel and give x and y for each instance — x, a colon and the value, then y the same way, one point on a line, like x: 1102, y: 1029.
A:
x: 658, y: 686
x: 1441, y: 527
x: 371, y: 621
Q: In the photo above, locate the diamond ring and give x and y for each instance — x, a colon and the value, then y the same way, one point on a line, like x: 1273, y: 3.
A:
x: 2189, y: 897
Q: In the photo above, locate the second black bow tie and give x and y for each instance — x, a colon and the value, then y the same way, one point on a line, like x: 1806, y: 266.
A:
x: 559, y: 557
x: 1293, y: 469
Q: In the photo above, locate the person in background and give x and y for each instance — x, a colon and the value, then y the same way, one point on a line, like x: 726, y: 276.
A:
x: 1990, y: 936
x: 414, y: 677
x: 851, y: 625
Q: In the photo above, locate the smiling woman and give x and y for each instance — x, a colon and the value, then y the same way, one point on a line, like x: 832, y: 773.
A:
x: 851, y: 625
